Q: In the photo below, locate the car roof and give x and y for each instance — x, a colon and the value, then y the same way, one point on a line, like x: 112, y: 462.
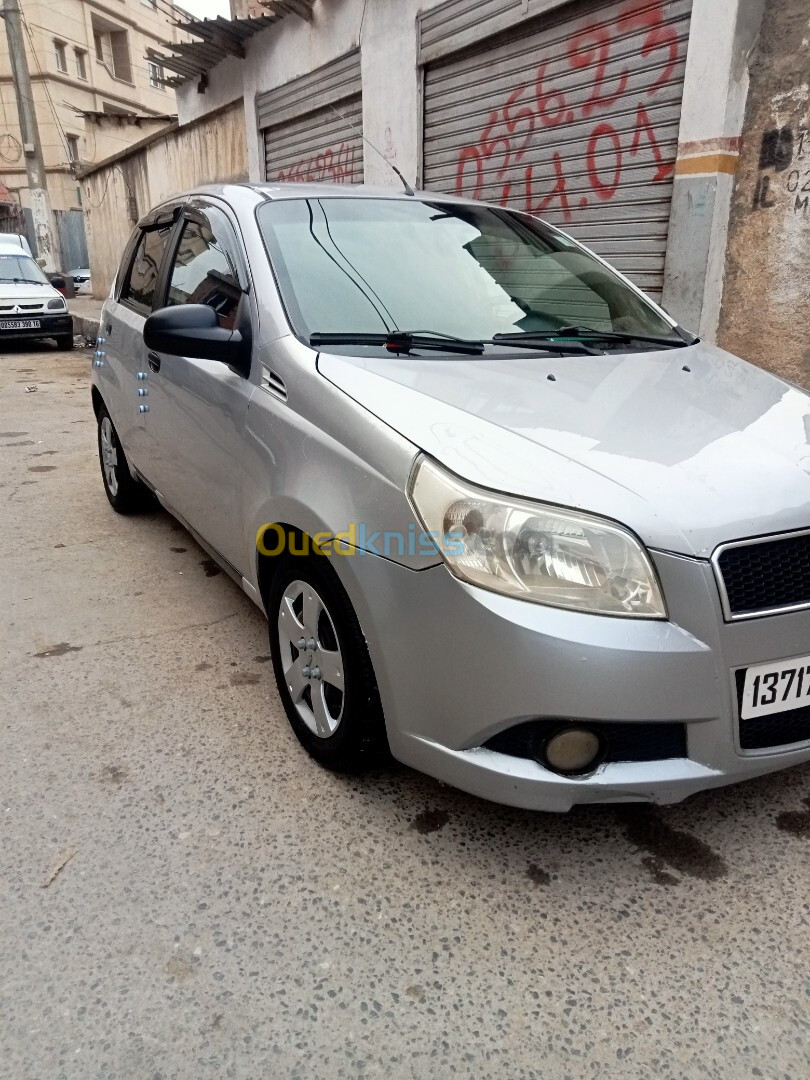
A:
x: 8, y: 247
x: 248, y: 196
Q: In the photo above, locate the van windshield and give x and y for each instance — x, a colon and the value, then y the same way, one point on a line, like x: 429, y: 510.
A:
x: 20, y: 268
x: 370, y: 266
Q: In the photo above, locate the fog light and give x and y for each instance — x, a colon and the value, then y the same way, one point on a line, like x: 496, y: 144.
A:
x: 572, y: 750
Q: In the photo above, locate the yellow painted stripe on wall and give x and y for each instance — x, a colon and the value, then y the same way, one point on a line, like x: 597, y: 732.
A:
x: 706, y: 163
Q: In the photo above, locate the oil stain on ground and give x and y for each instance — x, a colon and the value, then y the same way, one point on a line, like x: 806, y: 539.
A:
x: 202, y: 666
x: 430, y: 821
x: 41, y: 468
x: 795, y: 822
x: 178, y: 550
x: 245, y: 678
x: 58, y: 650
x: 210, y: 567
x: 113, y: 774
x: 646, y: 829
x: 538, y: 875
x: 12, y: 434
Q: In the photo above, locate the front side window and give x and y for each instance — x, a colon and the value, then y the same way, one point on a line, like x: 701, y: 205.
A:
x: 374, y: 265
x: 140, y: 287
x: 203, y: 272
x: 20, y: 268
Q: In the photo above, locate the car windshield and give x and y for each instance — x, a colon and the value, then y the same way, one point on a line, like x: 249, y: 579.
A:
x: 15, y: 268
x: 370, y: 266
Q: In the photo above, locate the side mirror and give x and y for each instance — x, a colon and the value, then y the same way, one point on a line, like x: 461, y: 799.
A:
x: 193, y: 330
x: 58, y: 283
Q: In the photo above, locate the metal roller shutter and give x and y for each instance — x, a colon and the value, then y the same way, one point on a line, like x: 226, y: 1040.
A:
x: 312, y: 126
x: 573, y: 117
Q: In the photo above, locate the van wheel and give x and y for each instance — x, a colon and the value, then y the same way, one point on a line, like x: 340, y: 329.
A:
x: 125, y: 495
x: 322, y: 667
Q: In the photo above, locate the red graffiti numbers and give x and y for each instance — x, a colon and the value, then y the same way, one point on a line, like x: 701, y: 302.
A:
x: 593, y: 45
x: 604, y: 132
x: 335, y: 165
x: 499, y: 163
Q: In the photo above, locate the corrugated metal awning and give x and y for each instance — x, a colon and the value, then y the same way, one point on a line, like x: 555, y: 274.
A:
x: 220, y: 38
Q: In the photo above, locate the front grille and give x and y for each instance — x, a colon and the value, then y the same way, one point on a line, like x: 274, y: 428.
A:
x: 777, y: 729
x: 623, y: 741
x: 766, y: 575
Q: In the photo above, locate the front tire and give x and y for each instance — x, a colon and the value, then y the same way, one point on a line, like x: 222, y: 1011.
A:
x: 125, y: 495
x: 322, y: 667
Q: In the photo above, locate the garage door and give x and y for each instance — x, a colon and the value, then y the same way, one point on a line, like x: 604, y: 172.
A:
x: 573, y: 117
x: 311, y: 127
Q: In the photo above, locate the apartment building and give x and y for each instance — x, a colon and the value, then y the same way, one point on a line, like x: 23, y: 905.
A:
x: 94, y: 89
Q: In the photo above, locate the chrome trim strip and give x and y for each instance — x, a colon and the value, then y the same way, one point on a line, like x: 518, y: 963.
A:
x: 760, y: 613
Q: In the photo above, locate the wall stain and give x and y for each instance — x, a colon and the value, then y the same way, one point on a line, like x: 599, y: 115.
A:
x: 646, y: 829
x: 430, y: 821
x: 795, y: 822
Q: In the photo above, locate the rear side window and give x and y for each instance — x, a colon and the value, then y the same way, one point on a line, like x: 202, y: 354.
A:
x: 139, y: 289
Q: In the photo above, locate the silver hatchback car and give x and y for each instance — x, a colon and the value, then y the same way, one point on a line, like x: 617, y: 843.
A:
x: 507, y: 520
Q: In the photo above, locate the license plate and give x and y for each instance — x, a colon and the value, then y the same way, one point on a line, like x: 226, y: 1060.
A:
x: 19, y: 324
x: 776, y: 687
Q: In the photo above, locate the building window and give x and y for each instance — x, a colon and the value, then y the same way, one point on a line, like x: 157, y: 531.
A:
x: 156, y: 76
x: 112, y: 48
x: 81, y: 63
x: 61, y: 55
x: 72, y: 147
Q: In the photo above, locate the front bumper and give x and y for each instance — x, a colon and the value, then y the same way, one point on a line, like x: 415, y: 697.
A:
x: 49, y: 326
x: 456, y: 665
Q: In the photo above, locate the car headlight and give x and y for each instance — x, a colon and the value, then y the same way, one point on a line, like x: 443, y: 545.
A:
x: 533, y: 551
x: 56, y: 305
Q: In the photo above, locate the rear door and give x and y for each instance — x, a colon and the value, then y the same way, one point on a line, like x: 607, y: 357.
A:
x: 198, y: 408
x: 124, y: 374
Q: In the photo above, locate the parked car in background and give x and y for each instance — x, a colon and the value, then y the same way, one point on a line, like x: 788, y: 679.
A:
x: 568, y: 543
x: 81, y: 281
x: 30, y: 306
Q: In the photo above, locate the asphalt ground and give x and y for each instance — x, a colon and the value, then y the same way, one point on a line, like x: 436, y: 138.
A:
x: 185, y: 894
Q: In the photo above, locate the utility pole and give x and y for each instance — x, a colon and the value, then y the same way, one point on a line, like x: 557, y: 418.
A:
x: 45, y: 230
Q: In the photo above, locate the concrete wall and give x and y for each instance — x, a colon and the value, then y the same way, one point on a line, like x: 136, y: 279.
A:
x: 766, y: 299
x: 118, y: 192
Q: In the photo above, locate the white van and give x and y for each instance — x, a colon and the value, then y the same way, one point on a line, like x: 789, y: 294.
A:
x: 30, y: 307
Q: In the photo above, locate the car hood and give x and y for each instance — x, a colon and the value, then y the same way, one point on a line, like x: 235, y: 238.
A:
x: 688, y: 447
x: 23, y: 290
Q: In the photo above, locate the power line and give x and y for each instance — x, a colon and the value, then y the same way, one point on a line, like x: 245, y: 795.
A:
x: 45, y: 85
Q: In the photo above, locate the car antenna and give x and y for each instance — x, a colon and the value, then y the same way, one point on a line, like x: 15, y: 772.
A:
x: 408, y: 189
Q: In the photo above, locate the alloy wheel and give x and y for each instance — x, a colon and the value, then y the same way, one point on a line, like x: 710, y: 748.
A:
x: 311, y: 658
x: 109, y: 454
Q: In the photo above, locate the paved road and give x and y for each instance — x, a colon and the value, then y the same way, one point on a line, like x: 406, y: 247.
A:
x: 230, y: 910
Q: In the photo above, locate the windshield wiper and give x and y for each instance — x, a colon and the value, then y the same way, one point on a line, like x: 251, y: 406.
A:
x: 400, y: 341
x: 22, y: 281
x: 586, y: 333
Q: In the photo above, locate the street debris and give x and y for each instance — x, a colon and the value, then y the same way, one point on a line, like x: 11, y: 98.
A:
x: 60, y: 866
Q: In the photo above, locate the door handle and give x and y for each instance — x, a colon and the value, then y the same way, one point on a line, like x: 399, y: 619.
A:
x: 154, y: 361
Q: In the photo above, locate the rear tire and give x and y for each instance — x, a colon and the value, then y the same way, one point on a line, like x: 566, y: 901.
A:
x: 322, y: 667
x: 125, y: 495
